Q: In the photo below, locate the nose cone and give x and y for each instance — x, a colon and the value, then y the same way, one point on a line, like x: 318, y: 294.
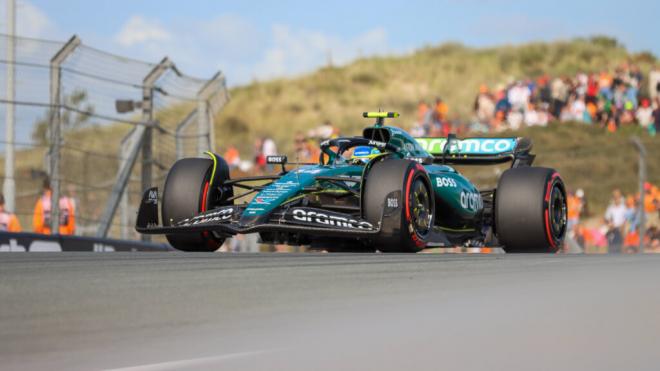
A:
x: 272, y: 196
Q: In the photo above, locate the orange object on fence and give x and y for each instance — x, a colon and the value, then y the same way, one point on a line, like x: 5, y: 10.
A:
x: 42, y: 214
x: 9, y: 222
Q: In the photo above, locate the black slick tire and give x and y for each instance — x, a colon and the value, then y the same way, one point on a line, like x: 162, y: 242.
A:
x: 183, y: 197
x: 530, y: 210
x: 399, y: 192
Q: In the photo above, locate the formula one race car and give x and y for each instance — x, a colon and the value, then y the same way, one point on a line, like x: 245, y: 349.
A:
x: 384, y: 190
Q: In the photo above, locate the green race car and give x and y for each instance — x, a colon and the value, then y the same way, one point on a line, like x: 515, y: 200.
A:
x: 382, y: 191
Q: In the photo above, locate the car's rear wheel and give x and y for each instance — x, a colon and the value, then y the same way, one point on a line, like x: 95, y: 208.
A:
x: 530, y: 210
x: 186, y: 194
x: 399, y: 192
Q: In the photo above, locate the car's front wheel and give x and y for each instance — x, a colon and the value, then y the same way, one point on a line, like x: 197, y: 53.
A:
x: 398, y: 193
x: 186, y: 194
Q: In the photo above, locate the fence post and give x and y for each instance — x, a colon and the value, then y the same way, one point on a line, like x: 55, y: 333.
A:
x: 124, y: 148
x: 180, y: 150
x: 210, y: 99
x: 9, y: 185
x: 148, y: 115
x: 641, y: 214
x: 56, y: 128
x: 133, y: 141
x: 139, y: 138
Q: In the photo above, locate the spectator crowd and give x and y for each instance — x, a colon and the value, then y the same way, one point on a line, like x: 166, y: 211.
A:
x: 608, y: 99
x: 618, y: 230
x: 432, y: 120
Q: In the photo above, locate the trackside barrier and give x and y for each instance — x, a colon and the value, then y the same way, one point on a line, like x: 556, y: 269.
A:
x: 34, y: 242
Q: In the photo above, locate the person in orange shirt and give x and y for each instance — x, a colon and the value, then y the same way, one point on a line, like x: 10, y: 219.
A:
x: 649, y: 199
x: 232, y: 157
x: 8, y: 221
x: 42, y: 210
x: 631, y: 241
x: 441, y: 109
x: 605, y: 80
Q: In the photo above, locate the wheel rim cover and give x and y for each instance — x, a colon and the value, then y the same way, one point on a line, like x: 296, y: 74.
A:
x: 420, y: 204
x: 557, y: 211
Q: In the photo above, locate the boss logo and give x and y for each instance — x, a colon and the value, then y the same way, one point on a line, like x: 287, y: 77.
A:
x: 445, y: 182
x: 329, y: 220
x: 392, y: 202
x: 276, y: 159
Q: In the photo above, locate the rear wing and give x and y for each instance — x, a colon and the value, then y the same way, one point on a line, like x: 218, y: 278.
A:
x: 479, y: 151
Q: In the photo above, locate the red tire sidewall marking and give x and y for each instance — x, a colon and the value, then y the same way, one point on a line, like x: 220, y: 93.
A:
x: 548, y: 190
x: 547, y: 230
x: 203, y: 206
x: 204, y: 194
x: 416, y: 240
x: 407, y: 195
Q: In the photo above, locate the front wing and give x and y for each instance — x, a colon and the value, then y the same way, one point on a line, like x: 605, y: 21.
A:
x: 227, y: 220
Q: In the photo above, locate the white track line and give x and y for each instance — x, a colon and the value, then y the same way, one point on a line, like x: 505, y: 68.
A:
x: 193, y: 362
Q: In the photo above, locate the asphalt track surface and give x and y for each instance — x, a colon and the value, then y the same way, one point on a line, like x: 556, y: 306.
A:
x: 174, y: 311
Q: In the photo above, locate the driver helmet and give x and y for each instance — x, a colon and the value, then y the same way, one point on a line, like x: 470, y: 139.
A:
x: 364, y: 154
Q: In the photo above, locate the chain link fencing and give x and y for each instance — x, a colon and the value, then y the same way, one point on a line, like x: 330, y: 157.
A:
x: 101, y: 126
